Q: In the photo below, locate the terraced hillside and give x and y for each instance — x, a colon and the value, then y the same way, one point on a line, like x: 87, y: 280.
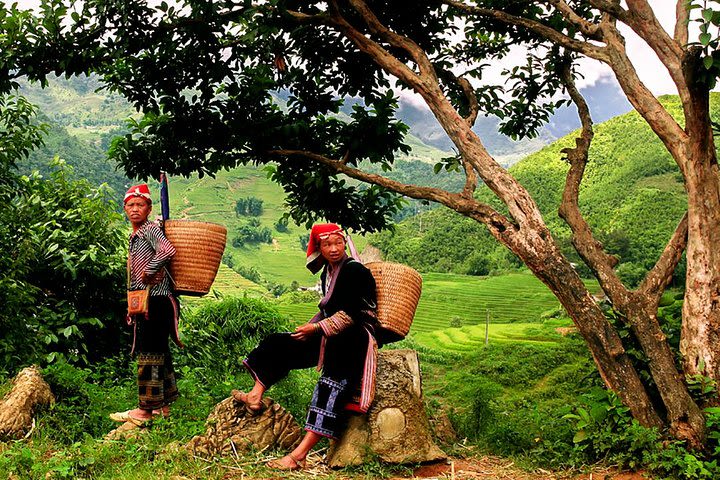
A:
x: 469, y: 338
x: 229, y: 282
x: 213, y: 200
x: 446, y: 298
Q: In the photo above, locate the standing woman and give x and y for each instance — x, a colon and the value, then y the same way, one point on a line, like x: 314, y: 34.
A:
x: 340, y: 339
x: 149, y: 253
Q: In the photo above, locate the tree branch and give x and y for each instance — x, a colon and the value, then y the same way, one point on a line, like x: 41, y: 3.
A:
x: 586, y: 48
x: 379, y: 54
x: 461, y: 204
x: 471, y: 179
x: 588, y: 29
x: 394, y: 39
x: 469, y: 91
x: 304, y: 18
x: 611, y: 7
x: 657, y: 279
x: 642, y: 99
x: 585, y: 243
x: 643, y: 21
x: 682, y: 21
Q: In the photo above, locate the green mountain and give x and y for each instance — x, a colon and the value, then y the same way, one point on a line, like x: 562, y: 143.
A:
x: 632, y: 196
x: 82, y: 121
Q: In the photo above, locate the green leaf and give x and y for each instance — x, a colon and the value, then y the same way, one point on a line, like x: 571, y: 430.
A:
x: 708, y: 62
x: 68, y: 331
x: 705, y: 39
x: 580, y: 436
x: 707, y: 14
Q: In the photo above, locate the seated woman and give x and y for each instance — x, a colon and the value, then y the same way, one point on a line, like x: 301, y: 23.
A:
x: 340, y: 340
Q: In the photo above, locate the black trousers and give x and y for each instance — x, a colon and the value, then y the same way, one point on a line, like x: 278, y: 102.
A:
x: 343, y: 363
x: 277, y: 354
x: 156, y: 382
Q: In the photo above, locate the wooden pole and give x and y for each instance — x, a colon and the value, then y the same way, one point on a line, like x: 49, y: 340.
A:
x: 487, y: 325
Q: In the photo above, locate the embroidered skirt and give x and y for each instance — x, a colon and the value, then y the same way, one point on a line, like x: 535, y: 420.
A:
x: 327, y: 414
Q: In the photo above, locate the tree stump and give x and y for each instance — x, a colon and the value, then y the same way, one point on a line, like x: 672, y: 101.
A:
x: 396, y: 429
x: 28, y: 394
x: 231, y: 428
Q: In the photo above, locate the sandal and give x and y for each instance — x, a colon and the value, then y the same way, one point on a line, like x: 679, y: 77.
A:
x: 242, y: 397
x: 120, y: 416
x: 296, y: 465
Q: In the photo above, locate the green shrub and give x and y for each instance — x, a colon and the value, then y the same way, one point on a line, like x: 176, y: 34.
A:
x: 62, y: 253
x: 218, y: 335
x: 83, y: 399
x: 606, y: 430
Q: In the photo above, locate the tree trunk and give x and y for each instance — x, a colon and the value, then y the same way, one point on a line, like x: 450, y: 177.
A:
x: 396, y: 428
x: 684, y: 416
x: 607, y: 350
x: 701, y: 309
x: 534, y: 244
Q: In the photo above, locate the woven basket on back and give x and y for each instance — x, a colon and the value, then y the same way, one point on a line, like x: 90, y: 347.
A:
x: 199, y: 248
x: 398, y: 293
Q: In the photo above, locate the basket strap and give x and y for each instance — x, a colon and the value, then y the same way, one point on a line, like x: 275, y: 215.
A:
x: 353, y: 251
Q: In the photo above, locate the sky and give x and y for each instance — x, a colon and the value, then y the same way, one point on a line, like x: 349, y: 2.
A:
x: 648, y: 67
x: 650, y: 70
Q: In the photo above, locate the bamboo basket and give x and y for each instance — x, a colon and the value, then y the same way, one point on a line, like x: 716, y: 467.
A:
x: 398, y: 294
x: 199, y: 248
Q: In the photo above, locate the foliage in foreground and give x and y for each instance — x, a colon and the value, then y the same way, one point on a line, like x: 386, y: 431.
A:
x: 68, y: 439
x: 62, y: 249
x: 540, y: 400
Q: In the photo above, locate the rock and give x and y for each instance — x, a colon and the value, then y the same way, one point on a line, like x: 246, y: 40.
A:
x: 125, y: 431
x: 396, y: 429
x: 231, y: 428
x: 28, y: 394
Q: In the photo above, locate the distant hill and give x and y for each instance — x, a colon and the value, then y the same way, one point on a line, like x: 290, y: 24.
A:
x: 82, y: 124
x: 632, y: 195
x: 603, y: 97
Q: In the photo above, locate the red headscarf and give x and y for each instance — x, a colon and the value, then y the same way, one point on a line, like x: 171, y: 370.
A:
x: 141, y: 190
x: 320, y: 231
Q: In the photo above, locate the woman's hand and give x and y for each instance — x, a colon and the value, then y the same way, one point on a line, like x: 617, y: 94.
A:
x: 303, y: 332
x: 151, y: 279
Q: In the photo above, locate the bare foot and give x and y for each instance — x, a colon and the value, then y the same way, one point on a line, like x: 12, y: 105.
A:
x: 288, y: 462
x: 140, y: 414
x: 252, y: 402
x: 164, y: 411
x: 136, y: 415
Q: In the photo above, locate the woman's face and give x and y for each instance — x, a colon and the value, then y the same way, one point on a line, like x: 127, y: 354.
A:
x: 332, y: 248
x: 137, y: 210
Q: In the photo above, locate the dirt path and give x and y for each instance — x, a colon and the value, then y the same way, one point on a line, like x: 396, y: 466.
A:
x: 470, y: 468
x: 496, y: 468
